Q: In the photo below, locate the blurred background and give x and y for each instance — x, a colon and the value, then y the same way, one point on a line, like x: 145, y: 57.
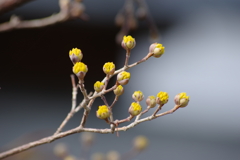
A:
x: 201, y: 58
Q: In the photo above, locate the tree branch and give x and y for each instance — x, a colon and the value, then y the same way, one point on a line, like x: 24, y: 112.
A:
x: 77, y: 130
x: 70, y: 10
x: 7, y: 5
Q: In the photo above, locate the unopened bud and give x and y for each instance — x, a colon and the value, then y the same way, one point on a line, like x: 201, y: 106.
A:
x: 123, y: 77
x: 109, y: 68
x: 181, y: 99
x: 80, y: 69
x: 162, y: 98
x: 75, y: 55
x: 151, y: 101
x: 119, y: 90
x: 157, y: 49
x: 98, y: 86
x: 128, y: 42
x: 135, y: 109
x: 103, y: 112
x: 138, y: 96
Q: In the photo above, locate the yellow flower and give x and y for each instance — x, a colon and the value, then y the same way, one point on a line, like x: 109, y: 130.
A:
x: 80, y: 69
x: 157, y: 49
x: 123, y: 77
x: 109, y: 68
x: 140, y: 143
x: 151, y: 101
x: 181, y: 99
x: 128, y: 42
x: 119, y: 90
x: 162, y: 98
x: 138, y: 96
x: 98, y: 86
x: 75, y: 55
x: 135, y: 109
x: 103, y: 112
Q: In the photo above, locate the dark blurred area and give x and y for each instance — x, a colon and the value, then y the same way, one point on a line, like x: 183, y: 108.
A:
x: 35, y: 70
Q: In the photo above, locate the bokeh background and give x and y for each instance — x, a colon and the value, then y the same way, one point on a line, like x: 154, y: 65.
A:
x: 202, y: 58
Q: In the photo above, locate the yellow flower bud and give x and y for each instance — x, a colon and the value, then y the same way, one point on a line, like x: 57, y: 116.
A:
x: 181, y: 99
x: 75, y: 55
x: 80, y: 69
x: 123, y: 77
x: 138, y: 96
x: 128, y: 42
x: 140, y: 143
x: 157, y: 49
x: 135, y: 109
x: 109, y: 68
x: 162, y: 98
x: 151, y: 101
x: 103, y: 112
x: 119, y: 90
x: 98, y: 86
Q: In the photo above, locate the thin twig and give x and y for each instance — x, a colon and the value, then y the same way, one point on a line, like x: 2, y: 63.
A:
x: 68, y: 11
x: 77, y: 130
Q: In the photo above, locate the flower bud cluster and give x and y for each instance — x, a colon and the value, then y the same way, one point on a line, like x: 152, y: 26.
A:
x: 123, y: 77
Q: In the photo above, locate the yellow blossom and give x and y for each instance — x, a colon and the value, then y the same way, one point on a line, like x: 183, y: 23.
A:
x: 135, y: 109
x: 98, y: 86
x: 128, y: 42
x: 138, y: 96
x: 109, y: 68
x: 162, y: 98
x: 75, y: 55
x: 181, y: 99
x: 151, y: 101
x: 119, y: 90
x: 103, y: 112
x: 123, y: 77
x: 80, y: 69
x: 157, y: 49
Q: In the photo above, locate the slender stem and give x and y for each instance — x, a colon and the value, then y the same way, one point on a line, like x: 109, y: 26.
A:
x: 77, y: 130
x: 74, y: 99
x: 104, y: 100
x: 114, y: 101
x: 142, y: 60
x: 146, y: 110
x: 74, y: 92
x: 158, y: 109
x: 127, y: 57
x: 85, y: 114
x: 69, y: 116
